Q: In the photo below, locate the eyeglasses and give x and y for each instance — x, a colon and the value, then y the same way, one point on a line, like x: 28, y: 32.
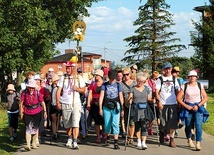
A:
x: 127, y: 74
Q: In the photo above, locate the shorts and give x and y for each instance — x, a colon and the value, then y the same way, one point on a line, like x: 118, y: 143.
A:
x: 13, y: 119
x: 71, y: 115
x: 94, y: 113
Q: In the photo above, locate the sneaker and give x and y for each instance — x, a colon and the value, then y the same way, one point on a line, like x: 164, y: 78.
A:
x: 116, y: 146
x: 27, y: 148
x: 61, y: 123
x: 75, y: 146
x: 144, y: 146
x: 180, y: 125
x: 191, y: 144
x: 14, y: 134
x: 193, y: 137
x: 124, y: 134
x: 54, y: 137
x: 107, y: 142
x: 198, y: 147
x: 11, y: 138
x: 139, y: 145
x: 69, y: 142
x: 37, y: 143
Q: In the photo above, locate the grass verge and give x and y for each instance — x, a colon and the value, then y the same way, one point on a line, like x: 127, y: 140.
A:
x: 6, y: 146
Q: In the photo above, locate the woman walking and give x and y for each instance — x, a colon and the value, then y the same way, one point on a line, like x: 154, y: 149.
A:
x: 30, y: 112
x: 193, y: 112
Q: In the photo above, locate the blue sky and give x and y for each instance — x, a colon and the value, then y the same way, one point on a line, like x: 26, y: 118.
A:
x: 111, y: 21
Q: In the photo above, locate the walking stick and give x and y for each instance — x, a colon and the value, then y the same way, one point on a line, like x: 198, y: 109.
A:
x: 156, y: 124
x: 127, y: 128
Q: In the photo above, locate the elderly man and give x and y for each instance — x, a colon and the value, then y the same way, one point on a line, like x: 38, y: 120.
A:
x: 68, y: 98
x: 167, y: 87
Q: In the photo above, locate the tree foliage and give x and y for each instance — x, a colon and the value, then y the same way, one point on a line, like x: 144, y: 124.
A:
x: 29, y: 30
x: 152, y: 43
x: 203, y: 41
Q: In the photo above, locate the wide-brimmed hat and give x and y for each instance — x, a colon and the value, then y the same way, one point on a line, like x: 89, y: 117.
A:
x: 10, y: 87
x: 37, y: 77
x: 177, y: 69
x: 32, y: 84
x: 134, y: 67
x: 167, y: 65
x: 55, y: 77
x: 112, y: 74
x: 193, y: 73
x: 99, y: 72
x: 69, y: 64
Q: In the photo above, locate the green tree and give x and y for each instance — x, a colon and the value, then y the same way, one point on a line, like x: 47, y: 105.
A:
x: 152, y: 43
x: 29, y: 30
x: 203, y: 42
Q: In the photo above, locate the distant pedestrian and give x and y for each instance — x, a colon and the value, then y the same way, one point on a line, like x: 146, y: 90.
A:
x: 12, y: 105
x: 193, y: 113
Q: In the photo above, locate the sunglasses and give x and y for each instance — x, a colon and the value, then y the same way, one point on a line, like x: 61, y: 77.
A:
x: 126, y: 74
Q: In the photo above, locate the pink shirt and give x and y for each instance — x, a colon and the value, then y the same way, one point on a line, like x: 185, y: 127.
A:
x: 33, y: 99
x: 192, y: 94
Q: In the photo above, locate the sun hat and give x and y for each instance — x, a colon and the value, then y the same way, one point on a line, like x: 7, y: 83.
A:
x: 55, y: 77
x: 177, y: 68
x: 134, y: 67
x: 112, y: 74
x: 50, y: 69
x: 32, y: 84
x: 37, y: 77
x: 193, y: 73
x: 98, y: 72
x: 10, y: 87
x: 69, y: 64
x: 167, y: 65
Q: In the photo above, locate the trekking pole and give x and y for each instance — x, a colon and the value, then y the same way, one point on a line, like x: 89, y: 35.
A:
x: 156, y: 124
x: 127, y: 128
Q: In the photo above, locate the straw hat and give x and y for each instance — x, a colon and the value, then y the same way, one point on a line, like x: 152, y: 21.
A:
x: 55, y: 77
x: 10, y: 87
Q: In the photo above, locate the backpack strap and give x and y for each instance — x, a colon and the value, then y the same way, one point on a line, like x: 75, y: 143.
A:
x: 173, y: 80
x: 161, y: 79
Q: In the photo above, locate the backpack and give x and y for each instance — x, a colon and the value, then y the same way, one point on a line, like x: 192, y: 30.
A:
x: 199, y: 86
x: 15, y: 104
x: 173, y: 80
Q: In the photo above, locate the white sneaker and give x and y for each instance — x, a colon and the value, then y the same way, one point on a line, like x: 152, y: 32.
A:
x: 139, y: 144
x: 75, y: 146
x: 69, y: 142
x: 37, y: 143
x: 144, y: 146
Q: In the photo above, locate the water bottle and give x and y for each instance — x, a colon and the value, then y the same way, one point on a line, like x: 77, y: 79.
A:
x: 45, y: 123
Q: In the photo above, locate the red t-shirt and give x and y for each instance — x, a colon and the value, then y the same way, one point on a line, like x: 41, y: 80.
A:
x: 95, y: 91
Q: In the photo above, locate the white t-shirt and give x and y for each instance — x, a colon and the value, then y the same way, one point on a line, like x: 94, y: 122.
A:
x: 167, y: 93
x: 67, y: 97
x: 192, y: 93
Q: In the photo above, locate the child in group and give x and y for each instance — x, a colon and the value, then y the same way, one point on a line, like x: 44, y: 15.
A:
x: 12, y: 110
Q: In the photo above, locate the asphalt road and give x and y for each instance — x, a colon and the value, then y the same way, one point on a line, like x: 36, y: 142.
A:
x: 89, y: 147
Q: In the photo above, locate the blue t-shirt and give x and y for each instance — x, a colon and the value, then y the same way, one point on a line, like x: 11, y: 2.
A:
x: 112, y: 89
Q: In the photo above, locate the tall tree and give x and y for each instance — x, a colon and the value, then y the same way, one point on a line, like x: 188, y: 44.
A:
x: 152, y: 43
x: 203, y: 42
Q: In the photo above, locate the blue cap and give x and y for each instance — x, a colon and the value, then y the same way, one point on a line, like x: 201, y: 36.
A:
x: 167, y: 65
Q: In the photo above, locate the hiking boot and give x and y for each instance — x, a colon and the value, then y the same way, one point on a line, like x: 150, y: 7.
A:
x: 198, y: 147
x: 172, y: 143
x: 116, y: 146
x: 191, y: 144
x: 75, y: 146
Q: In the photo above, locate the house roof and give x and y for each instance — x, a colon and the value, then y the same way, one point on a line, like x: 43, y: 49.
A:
x: 88, y: 53
x: 65, y: 57
x: 199, y: 8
